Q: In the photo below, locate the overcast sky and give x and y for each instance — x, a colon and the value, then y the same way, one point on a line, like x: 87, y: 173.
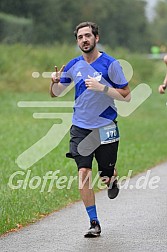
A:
x: 150, y: 8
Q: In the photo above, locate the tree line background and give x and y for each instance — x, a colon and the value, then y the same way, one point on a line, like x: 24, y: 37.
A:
x: 123, y: 23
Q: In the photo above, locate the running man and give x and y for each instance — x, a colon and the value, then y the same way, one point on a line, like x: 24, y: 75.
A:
x: 98, y: 80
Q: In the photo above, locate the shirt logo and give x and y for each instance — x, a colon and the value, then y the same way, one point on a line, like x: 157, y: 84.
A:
x: 79, y: 74
x: 97, y: 76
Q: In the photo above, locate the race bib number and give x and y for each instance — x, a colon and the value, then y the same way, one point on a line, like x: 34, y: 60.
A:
x: 109, y: 134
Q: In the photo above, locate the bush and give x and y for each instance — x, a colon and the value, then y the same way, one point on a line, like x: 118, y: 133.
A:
x: 14, y: 29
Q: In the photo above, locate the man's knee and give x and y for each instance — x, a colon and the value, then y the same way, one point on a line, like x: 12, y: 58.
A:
x: 85, y: 175
x: 106, y: 172
x: 85, y: 172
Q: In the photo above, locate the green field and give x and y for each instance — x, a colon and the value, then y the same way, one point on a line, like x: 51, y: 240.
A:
x: 143, y: 133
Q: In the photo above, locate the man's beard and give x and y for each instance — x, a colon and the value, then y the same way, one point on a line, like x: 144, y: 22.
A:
x: 91, y: 48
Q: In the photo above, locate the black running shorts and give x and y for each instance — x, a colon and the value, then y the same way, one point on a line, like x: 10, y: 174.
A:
x: 105, y: 154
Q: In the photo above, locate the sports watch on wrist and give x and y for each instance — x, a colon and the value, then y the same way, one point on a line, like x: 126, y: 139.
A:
x: 105, y: 90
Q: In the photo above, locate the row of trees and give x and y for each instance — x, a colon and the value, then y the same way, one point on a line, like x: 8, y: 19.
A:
x: 122, y: 23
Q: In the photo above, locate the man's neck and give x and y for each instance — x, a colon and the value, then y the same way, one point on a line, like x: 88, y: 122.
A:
x: 91, y: 56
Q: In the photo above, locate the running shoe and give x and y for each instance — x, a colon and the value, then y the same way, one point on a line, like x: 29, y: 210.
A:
x: 94, y: 230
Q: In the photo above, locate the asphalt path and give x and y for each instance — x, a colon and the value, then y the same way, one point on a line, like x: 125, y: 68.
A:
x: 135, y: 221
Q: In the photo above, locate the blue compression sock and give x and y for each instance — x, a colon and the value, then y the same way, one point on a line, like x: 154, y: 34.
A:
x: 91, y: 210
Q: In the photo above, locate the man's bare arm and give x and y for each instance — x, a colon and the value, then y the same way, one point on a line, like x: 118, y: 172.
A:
x: 56, y: 88
x: 121, y: 94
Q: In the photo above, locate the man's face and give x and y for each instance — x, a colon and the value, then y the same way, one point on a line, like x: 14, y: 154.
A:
x: 86, y: 40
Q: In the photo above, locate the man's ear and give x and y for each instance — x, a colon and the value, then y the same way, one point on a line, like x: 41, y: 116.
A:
x: 97, y: 38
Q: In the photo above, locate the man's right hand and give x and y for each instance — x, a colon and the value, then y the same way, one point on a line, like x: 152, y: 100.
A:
x: 55, y: 77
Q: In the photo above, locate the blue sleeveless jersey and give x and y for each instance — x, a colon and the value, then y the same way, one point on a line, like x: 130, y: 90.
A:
x: 93, y: 109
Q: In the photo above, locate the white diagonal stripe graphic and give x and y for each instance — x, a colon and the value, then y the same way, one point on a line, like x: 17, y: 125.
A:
x: 46, y: 144
x: 138, y: 96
